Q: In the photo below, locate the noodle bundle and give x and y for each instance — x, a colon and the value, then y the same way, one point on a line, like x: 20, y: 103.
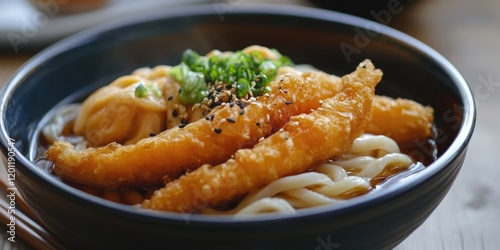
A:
x: 328, y: 183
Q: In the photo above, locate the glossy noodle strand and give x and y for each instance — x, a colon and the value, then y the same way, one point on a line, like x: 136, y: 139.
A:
x: 327, y: 182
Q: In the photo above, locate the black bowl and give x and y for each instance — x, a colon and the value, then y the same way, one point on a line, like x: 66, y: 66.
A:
x: 376, y: 10
x: 330, y: 41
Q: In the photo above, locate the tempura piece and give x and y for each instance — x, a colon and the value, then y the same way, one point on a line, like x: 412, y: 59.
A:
x: 210, y: 140
x: 305, y: 141
x: 264, y: 51
x: 402, y: 120
x: 174, y: 108
x: 153, y: 74
x: 114, y: 113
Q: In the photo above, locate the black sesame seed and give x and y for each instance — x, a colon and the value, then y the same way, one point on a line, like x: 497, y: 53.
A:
x: 184, y: 122
x: 231, y: 120
x: 258, y: 124
x: 242, y: 112
x: 212, y: 117
x: 170, y: 97
x: 286, y: 91
x: 241, y: 105
x: 214, y: 104
x: 180, y: 90
x: 231, y: 104
x: 286, y: 138
x: 174, y: 113
x: 217, y: 130
x: 288, y: 103
x: 152, y: 134
x: 207, y: 118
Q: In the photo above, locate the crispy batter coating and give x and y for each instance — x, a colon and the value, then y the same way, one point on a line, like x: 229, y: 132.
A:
x: 402, y: 120
x: 306, y: 140
x: 211, y: 140
x: 114, y: 114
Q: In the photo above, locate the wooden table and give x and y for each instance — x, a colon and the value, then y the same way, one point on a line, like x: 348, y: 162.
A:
x: 468, y: 34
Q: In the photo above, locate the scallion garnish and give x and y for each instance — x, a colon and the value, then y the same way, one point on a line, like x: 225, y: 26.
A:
x: 141, y: 91
x: 247, y: 74
x: 155, y: 90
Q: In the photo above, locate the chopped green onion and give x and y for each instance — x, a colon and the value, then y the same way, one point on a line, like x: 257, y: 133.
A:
x: 261, y: 80
x: 193, y: 87
x: 141, y: 91
x: 155, y: 90
x: 189, y: 57
x: 242, y: 87
x: 238, y: 70
x: 268, y: 68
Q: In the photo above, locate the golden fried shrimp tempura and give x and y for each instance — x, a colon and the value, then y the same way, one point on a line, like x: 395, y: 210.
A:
x: 402, y: 120
x: 211, y: 140
x: 305, y: 141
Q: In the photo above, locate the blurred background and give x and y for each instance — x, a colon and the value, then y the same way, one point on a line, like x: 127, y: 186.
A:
x: 465, y: 32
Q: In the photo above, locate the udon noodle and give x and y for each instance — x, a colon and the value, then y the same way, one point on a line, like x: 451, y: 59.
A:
x: 329, y: 183
x: 86, y: 152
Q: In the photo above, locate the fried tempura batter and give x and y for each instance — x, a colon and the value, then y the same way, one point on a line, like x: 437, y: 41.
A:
x: 306, y: 140
x: 211, y: 140
x: 114, y: 114
x: 402, y: 120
